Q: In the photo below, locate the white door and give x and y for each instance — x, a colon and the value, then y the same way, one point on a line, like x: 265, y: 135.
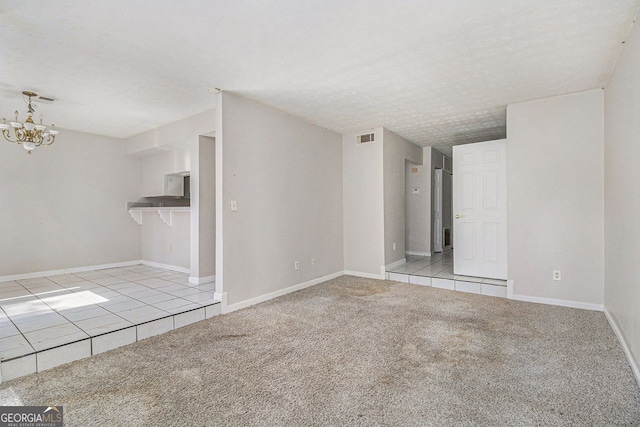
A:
x: 480, y: 209
x: 437, y: 212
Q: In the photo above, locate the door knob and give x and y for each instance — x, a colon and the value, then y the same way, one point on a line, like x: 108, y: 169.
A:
x: 458, y: 216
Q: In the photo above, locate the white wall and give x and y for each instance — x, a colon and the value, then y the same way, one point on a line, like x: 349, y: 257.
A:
x: 437, y: 162
x: 555, y: 193
x: 286, y: 176
x: 374, y: 200
x: 203, y: 209
x: 418, y: 206
x: 179, y: 134
x: 176, y: 148
x: 622, y: 197
x: 363, y: 201
x: 396, y: 151
x: 164, y: 244
x: 156, y: 166
x: 161, y: 243
x: 64, y: 206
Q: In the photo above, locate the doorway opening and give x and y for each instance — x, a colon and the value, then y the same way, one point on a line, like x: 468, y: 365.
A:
x: 441, y: 202
x: 465, y: 217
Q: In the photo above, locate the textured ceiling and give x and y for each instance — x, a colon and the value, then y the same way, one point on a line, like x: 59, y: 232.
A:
x: 435, y: 72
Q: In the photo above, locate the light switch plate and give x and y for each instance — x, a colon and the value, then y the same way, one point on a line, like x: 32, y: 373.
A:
x: 234, y: 205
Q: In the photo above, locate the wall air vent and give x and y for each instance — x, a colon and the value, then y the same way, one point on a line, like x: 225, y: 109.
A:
x: 363, y: 139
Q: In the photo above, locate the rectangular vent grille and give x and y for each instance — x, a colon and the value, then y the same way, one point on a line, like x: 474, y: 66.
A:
x: 367, y: 137
x: 46, y: 99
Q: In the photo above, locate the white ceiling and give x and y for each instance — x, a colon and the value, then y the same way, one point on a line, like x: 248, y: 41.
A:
x: 435, y: 72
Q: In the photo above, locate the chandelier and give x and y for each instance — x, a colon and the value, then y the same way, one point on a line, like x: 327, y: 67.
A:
x: 29, y: 134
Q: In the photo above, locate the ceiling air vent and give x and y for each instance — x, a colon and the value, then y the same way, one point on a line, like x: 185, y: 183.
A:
x: 363, y: 139
x: 45, y: 99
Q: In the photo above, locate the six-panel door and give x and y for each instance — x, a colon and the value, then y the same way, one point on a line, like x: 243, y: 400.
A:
x: 480, y: 209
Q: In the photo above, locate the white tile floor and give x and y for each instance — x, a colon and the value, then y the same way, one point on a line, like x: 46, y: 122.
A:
x: 46, y: 313
x: 437, y: 271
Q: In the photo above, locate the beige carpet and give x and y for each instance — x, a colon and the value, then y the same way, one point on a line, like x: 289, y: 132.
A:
x: 356, y: 351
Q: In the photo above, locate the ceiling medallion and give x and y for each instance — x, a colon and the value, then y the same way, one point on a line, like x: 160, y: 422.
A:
x: 27, y: 133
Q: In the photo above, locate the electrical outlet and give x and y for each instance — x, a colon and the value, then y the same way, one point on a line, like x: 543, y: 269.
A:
x: 394, y: 246
x: 557, y: 275
x: 296, y: 265
x: 313, y: 261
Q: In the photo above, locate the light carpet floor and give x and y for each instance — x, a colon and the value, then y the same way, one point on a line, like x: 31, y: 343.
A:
x: 355, y: 351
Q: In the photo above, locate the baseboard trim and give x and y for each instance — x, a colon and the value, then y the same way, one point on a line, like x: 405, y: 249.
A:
x: 417, y: 253
x: 395, y: 264
x: 549, y: 301
x: 365, y: 275
x: 266, y: 297
x: 552, y: 301
x: 200, y: 280
x: 623, y: 343
x: 222, y: 297
x: 166, y: 266
x: 68, y: 270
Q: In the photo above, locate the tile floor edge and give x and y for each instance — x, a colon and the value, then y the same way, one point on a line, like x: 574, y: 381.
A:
x: 35, y: 353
